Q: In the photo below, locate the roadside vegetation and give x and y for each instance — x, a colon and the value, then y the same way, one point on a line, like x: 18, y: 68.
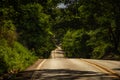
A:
x: 31, y: 29
x: 92, y: 29
x: 25, y: 35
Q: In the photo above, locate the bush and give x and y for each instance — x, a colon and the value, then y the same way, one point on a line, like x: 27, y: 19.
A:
x: 74, y: 44
x: 14, y: 58
x: 101, y: 50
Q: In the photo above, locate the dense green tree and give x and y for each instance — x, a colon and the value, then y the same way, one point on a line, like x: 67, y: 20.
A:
x: 74, y: 44
x: 98, y: 18
x: 35, y: 25
x: 14, y: 56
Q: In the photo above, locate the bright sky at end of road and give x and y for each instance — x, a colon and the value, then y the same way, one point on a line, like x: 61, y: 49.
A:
x: 61, y: 5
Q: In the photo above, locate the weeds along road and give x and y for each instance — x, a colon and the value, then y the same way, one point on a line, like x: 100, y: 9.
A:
x: 60, y: 68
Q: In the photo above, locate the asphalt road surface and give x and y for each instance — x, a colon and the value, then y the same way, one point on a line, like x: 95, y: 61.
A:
x: 60, y: 68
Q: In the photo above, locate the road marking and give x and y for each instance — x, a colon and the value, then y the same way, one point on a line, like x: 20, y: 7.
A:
x: 39, y: 66
x: 103, y: 69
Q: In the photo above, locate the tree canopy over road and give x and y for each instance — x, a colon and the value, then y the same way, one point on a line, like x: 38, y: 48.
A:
x: 30, y: 29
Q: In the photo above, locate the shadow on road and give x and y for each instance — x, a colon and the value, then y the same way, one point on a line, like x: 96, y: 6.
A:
x: 116, y: 69
x: 60, y: 74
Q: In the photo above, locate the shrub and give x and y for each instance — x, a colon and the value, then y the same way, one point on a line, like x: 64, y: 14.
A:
x: 74, y: 43
x: 14, y: 58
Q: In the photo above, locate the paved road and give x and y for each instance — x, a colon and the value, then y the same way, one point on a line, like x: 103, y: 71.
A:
x: 60, y: 68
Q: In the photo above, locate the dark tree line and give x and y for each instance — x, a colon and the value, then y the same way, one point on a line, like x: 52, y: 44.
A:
x: 90, y: 28
x: 25, y: 33
x: 99, y: 21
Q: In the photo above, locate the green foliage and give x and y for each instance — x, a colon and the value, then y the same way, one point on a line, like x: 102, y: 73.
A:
x: 7, y: 27
x: 25, y: 23
x: 74, y: 44
x: 99, y: 44
x: 14, y: 58
x: 33, y: 28
x: 100, y: 22
x: 101, y: 50
x: 7, y: 31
